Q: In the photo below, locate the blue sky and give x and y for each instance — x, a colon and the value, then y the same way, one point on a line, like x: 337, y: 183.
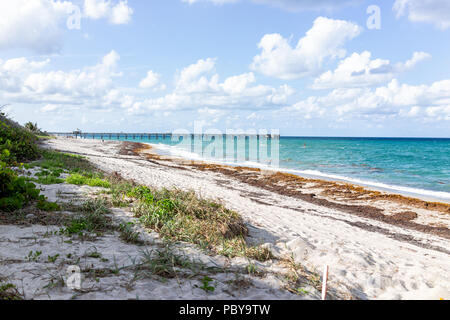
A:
x: 303, y: 67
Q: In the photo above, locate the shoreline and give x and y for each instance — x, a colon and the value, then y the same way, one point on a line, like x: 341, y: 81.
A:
x: 428, y: 195
x: 370, y: 185
x: 379, y: 246
x: 330, y: 188
x: 405, y: 196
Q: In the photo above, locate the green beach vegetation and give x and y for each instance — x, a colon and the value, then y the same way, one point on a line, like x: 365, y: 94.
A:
x: 9, y: 292
x: 89, y: 180
x: 16, y: 145
x: 182, y: 216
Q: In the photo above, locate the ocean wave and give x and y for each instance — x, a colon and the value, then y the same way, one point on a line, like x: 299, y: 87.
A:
x: 379, y: 185
x: 174, y: 151
x: 182, y: 153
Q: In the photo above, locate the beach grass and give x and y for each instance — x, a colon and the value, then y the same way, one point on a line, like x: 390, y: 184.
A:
x: 128, y: 235
x: 9, y: 292
x: 47, y: 177
x: 182, y: 216
x: 119, y: 189
x: 81, y: 171
x: 237, y: 247
x: 91, y: 218
x: 40, y: 137
x: 166, y: 264
x: 163, y: 263
x: 176, y: 215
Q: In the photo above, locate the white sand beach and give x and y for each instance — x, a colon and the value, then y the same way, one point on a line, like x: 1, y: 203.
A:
x: 367, y: 258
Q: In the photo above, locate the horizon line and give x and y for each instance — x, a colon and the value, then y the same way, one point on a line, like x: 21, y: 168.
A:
x: 281, y: 136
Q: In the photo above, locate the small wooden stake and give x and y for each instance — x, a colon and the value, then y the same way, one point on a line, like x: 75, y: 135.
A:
x: 324, y: 283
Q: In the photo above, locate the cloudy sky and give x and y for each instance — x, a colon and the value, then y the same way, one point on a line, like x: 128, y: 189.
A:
x: 307, y: 68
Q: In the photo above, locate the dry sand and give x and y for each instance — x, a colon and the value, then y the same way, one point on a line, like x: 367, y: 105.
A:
x: 370, y: 255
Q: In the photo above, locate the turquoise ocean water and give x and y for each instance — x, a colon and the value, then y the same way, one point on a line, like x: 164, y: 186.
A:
x: 406, y: 165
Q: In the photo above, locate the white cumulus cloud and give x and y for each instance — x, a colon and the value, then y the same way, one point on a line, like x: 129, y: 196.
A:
x: 393, y: 100
x: 238, y: 84
x: 89, y: 82
x: 13, y: 71
x: 436, y: 12
x: 359, y: 70
x: 35, y: 24
x: 194, y: 78
x: 151, y: 80
x: 197, y: 86
x: 49, y: 108
x: 24, y: 81
x: 39, y: 25
x: 116, y: 13
x: 324, y: 40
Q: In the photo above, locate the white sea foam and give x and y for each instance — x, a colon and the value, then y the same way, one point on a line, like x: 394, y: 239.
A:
x: 400, y: 189
x: 176, y: 151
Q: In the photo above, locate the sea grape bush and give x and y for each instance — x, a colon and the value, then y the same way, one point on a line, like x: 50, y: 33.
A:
x: 15, y: 191
x: 16, y: 144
